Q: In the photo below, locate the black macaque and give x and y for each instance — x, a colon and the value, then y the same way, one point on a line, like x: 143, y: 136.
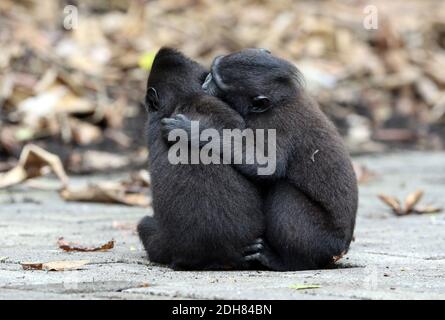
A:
x: 312, y: 196
x: 205, y: 216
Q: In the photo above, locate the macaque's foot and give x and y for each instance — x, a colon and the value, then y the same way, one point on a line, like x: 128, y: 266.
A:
x: 178, y: 121
x: 260, y: 252
x: 259, y: 257
x: 256, y: 247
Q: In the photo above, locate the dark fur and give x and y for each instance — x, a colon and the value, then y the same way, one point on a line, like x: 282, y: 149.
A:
x: 312, y: 200
x: 204, y: 215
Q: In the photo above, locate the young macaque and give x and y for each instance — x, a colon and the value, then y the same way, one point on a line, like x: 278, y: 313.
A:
x: 205, y: 216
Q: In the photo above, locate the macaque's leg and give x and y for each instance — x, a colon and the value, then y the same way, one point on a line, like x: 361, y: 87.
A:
x: 152, y: 241
x: 297, y: 235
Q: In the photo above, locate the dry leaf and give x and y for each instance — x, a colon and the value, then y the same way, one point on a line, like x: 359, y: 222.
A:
x: 34, y: 162
x: 412, y: 199
x: 69, y: 246
x: 64, y: 265
x: 138, y: 183
x: 33, y: 109
x: 118, y: 137
x: 84, y: 133
x: 304, y: 286
x: 105, y: 192
x: 142, y: 177
x: 392, y: 202
x: 395, y: 135
x: 427, y: 209
x: 136, y: 199
x: 55, y: 265
x: 410, y: 204
x: 92, y: 161
x: 32, y: 265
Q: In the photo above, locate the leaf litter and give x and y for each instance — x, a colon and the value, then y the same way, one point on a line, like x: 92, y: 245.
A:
x: 55, y: 265
x: 410, y: 204
x: 71, y: 246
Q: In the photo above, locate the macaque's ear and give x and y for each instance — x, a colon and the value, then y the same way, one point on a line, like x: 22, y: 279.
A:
x: 260, y: 104
x: 151, y: 100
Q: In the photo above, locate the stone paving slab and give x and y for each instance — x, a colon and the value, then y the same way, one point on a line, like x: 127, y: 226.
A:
x: 391, y: 258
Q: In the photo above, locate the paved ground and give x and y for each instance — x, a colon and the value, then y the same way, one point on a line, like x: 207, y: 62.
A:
x: 401, y: 258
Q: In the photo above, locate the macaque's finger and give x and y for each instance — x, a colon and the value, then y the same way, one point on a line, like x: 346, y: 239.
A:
x: 254, y: 248
x: 259, y: 241
x: 182, y: 117
x: 261, y: 258
x: 254, y: 257
x: 170, y: 124
x: 168, y: 120
x: 257, y: 246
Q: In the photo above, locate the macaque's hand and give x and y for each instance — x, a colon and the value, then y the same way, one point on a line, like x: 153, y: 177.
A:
x: 178, y: 121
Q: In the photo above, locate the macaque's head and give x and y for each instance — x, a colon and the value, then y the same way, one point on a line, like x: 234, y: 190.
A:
x: 252, y: 80
x: 173, y: 77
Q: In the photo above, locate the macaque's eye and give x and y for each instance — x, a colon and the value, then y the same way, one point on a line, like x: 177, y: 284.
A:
x: 260, y: 104
x: 151, y: 100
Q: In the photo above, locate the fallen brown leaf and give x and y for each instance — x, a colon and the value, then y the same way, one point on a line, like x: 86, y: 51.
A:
x: 84, y: 133
x: 32, y: 265
x: 412, y: 199
x: 141, y: 177
x: 34, y: 162
x: 392, y: 202
x: 410, y: 204
x: 118, y: 137
x: 427, y: 209
x: 92, y: 161
x: 395, y: 135
x: 105, y: 192
x: 304, y: 286
x: 70, y: 246
x: 55, y: 265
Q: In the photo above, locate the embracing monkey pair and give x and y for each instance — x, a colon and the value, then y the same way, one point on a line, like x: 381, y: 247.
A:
x: 227, y: 216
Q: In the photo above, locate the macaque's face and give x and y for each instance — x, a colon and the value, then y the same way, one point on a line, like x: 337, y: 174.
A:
x: 251, y: 80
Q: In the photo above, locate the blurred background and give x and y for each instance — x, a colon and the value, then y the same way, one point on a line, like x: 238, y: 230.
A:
x: 73, y: 73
